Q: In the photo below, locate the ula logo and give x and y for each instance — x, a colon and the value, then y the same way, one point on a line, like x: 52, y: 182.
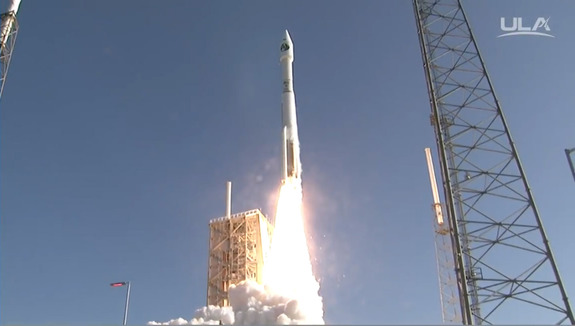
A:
x: 540, y: 28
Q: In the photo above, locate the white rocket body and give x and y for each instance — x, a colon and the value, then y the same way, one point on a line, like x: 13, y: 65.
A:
x: 290, y: 140
x: 8, y: 18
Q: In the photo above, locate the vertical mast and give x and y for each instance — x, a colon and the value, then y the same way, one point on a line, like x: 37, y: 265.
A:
x: 451, y: 304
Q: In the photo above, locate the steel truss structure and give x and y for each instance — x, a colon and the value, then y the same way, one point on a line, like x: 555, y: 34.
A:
x: 504, y: 266
x: 9, y: 31
x: 568, y: 153
x: 449, y: 295
x: 237, y: 251
x: 448, y: 289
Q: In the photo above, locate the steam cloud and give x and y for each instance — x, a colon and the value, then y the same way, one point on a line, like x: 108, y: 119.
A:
x: 251, y: 304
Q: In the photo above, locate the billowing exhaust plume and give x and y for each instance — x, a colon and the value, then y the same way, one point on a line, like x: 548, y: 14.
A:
x: 253, y: 304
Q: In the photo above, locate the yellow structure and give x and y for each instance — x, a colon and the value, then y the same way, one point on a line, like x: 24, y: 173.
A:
x: 238, y: 247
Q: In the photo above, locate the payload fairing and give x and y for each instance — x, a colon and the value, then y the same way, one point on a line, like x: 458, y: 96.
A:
x: 290, y: 140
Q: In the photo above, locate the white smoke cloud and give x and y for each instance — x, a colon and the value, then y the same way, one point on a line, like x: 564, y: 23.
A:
x: 253, y: 304
x: 210, y: 315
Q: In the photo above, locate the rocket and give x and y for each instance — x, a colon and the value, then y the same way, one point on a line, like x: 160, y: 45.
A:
x: 290, y: 141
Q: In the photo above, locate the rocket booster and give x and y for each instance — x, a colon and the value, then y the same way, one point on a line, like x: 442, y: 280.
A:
x: 290, y: 140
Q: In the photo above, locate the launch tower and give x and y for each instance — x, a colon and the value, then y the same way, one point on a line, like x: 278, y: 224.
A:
x: 569, y: 153
x: 238, y: 247
x: 504, y: 267
x: 8, y: 33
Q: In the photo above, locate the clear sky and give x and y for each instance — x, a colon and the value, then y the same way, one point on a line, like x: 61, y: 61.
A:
x: 122, y: 120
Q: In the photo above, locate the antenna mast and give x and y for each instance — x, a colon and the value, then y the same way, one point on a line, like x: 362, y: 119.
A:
x: 451, y: 304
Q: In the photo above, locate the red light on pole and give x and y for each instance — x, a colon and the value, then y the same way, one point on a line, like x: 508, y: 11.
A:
x: 118, y: 284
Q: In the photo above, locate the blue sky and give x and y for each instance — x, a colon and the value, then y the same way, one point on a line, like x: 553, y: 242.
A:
x: 122, y: 120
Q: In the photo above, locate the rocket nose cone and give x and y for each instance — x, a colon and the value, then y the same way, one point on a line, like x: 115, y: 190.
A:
x: 287, y: 37
x: 286, y: 49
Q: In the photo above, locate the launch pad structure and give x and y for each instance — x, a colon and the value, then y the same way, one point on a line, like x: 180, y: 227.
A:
x: 501, y: 267
x: 568, y: 153
x: 8, y: 33
x: 238, y: 247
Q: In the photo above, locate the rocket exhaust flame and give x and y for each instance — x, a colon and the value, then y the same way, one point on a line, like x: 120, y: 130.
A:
x: 288, y: 270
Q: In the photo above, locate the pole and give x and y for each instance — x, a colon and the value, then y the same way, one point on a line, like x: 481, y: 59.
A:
x: 228, y: 199
x: 127, y: 304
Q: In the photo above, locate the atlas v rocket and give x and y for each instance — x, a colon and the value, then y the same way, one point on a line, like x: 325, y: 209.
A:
x: 290, y: 141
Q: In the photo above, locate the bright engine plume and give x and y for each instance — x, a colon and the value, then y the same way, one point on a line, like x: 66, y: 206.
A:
x: 288, y: 270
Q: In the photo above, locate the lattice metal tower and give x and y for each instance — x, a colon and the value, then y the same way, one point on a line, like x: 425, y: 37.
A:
x: 238, y: 248
x: 569, y: 152
x: 504, y: 267
x: 8, y: 33
x: 448, y: 289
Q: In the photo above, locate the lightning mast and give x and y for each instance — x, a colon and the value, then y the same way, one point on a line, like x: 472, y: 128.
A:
x: 8, y: 33
x: 504, y: 267
x: 448, y: 293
